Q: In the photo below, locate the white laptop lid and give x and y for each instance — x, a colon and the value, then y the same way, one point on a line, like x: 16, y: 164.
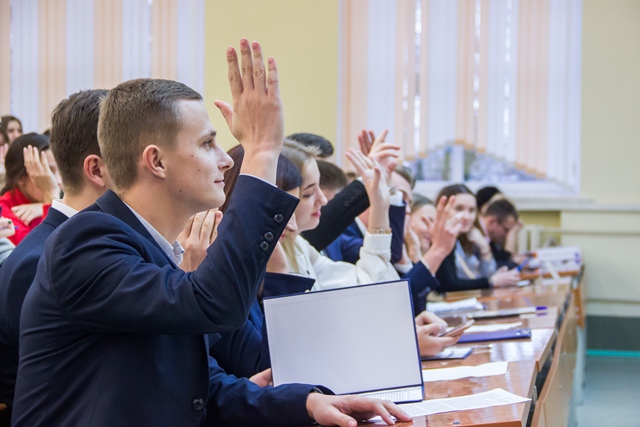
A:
x: 352, y: 340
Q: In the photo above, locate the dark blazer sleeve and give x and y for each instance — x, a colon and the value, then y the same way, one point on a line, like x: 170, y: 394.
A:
x: 239, y: 402
x: 449, y: 280
x: 502, y: 256
x: 116, y: 285
x: 336, y: 216
x: 245, y: 351
x: 397, y: 215
x: 422, y: 282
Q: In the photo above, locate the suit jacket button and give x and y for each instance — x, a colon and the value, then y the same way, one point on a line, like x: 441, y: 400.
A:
x: 278, y: 218
x: 264, y: 246
x: 268, y: 236
x: 197, y: 404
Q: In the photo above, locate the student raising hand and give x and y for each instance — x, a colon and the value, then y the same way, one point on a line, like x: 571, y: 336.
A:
x: 41, y: 174
x: 199, y: 233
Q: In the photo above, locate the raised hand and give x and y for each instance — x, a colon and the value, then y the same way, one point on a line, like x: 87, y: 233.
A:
x: 346, y: 411
x: 256, y: 119
x: 385, y: 153
x: 376, y: 186
x: 444, y: 232
x: 37, y: 167
x: 479, y: 240
x: 199, y: 233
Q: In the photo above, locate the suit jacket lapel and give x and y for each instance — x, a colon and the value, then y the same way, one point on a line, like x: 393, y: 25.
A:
x: 112, y: 204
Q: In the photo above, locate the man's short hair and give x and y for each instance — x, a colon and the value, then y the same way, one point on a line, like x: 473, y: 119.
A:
x: 74, y: 135
x: 502, y: 209
x: 135, y: 114
x: 331, y: 176
x: 309, y: 139
x: 406, y: 173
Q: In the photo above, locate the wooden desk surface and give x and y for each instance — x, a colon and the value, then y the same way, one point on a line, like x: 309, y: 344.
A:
x: 519, y: 379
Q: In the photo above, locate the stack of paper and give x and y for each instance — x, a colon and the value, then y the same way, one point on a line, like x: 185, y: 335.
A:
x: 441, y: 308
x: 446, y: 374
x: 495, y: 397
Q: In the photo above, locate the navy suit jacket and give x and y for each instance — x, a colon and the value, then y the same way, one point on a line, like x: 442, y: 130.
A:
x: 245, y: 351
x: 449, y: 281
x: 112, y: 331
x: 16, y: 276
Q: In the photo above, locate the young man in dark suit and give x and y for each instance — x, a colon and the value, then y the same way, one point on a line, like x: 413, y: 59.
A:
x: 75, y: 146
x: 111, y: 330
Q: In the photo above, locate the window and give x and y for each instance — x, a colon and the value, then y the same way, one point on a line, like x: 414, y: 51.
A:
x: 481, y: 91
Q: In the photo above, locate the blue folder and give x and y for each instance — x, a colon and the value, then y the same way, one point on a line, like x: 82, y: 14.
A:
x: 510, y: 334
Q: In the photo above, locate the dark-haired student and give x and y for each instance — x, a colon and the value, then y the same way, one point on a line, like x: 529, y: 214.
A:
x: 500, y: 218
x: 111, y: 326
x: 332, y: 179
x: 485, y: 195
x: 322, y: 144
x: 11, y: 126
x: 470, y: 265
x: 74, y: 143
x: 29, y: 190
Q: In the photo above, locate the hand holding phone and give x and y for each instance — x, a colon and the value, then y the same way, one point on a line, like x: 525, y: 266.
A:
x: 460, y: 328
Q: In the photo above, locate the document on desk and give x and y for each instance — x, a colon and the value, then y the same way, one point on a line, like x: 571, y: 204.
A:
x: 469, y: 304
x: 495, y: 397
x: 492, y: 328
x: 446, y: 374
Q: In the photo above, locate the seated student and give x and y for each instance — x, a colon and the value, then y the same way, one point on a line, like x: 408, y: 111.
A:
x: 324, y: 147
x: 110, y: 321
x: 74, y: 144
x: 486, y: 194
x: 498, y: 220
x: 12, y: 126
x: 374, y: 265
x: 470, y: 265
x: 332, y: 179
x: 245, y: 352
x: 29, y: 189
x: 418, y: 237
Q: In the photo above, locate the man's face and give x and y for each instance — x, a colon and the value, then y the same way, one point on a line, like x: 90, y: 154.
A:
x: 403, y: 186
x: 497, y: 229
x: 196, y: 164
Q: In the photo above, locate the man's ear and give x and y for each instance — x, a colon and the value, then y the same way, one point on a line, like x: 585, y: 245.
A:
x: 94, y: 170
x: 152, y: 160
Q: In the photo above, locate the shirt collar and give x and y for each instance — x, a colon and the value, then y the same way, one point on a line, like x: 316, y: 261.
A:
x: 63, y: 209
x: 174, y: 251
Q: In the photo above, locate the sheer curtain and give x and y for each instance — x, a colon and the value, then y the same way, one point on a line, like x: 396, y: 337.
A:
x: 499, y: 77
x: 84, y: 44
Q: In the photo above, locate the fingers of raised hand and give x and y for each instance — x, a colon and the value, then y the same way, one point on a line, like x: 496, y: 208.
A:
x: 273, y: 85
x: 246, y: 64
x: 235, y: 82
x: 259, y: 76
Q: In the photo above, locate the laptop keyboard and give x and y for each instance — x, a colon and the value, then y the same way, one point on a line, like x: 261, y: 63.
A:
x: 399, y: 395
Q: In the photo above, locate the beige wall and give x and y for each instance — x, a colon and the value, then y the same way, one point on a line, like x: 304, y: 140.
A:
x: 302, y: 35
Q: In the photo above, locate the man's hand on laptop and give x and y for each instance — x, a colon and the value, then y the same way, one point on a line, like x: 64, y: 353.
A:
x: 346, y: 411
x: 256, y: 119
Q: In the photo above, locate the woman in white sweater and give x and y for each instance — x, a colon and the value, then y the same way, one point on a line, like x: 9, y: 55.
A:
x: 374, y: 264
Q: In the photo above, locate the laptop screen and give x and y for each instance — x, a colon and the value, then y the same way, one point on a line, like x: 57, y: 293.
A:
x: 352, y: 340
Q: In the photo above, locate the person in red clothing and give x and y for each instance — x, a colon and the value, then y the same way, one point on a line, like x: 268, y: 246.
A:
x: 32, y: 183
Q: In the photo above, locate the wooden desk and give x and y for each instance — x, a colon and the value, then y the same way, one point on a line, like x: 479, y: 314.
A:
x: 517, y: 380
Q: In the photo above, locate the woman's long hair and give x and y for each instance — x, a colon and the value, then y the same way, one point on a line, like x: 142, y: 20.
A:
x: 14, y: 161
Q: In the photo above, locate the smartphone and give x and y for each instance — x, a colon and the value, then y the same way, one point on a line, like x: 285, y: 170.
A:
x: 523, y: 264
x: 466, y: 325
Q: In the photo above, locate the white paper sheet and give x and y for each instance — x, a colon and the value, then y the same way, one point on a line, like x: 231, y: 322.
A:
x: 445, y: 374
x: 469, y: 304
x: 495, y: 397
x: 492, y: 328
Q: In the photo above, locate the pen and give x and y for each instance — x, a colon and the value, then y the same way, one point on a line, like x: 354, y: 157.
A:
x: 523, y: 264
x: 541, y: 307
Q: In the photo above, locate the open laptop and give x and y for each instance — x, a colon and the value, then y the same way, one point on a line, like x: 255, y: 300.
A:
x: 356, y: 340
